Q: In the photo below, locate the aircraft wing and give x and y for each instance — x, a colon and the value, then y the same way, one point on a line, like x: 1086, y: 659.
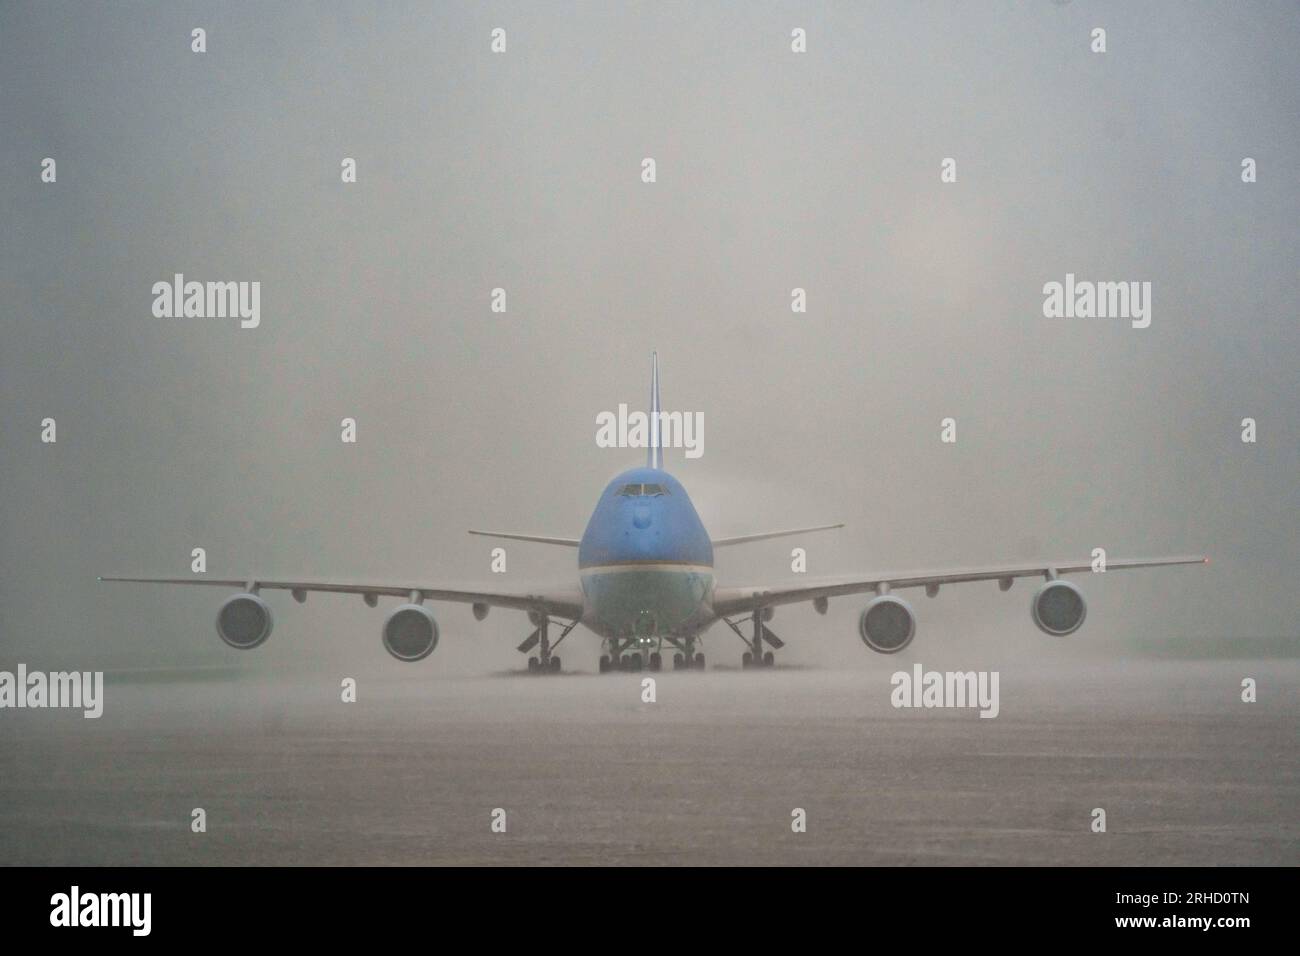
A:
x: 536, y: 538
x: 765, y: 535
x: 743, y: 600
x: 556, y: 602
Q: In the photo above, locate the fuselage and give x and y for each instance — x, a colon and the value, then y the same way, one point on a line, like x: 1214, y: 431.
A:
x: 645, y: 560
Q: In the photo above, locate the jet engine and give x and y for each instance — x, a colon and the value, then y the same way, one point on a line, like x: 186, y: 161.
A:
x: 887, y: 624
x: 244, y: 621
x: 410, y: 633
x: 1058, y: 608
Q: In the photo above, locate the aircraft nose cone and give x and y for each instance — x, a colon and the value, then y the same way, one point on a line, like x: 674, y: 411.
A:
x: 641, y: 517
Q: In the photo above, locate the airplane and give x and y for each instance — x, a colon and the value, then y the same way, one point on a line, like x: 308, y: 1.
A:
x: 646, y: 584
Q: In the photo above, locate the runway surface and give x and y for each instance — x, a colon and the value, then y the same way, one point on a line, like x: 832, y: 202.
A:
x: 710, y: 773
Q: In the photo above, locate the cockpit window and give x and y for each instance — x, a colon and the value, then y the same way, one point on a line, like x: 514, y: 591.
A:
x: 637, y: 491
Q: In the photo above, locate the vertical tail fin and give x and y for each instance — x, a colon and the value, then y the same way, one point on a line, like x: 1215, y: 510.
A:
x: 655, y: 454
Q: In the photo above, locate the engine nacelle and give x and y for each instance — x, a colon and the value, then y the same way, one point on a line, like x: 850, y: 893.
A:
x: 244, y: 621
x: 411, y: 633
x: 1058, y: 608
x: 887, y: 624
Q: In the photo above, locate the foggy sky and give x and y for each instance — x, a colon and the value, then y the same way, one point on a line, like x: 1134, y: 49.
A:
x: 522, y: 171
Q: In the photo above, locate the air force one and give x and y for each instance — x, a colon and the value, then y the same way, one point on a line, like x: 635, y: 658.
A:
x: 646, y: 584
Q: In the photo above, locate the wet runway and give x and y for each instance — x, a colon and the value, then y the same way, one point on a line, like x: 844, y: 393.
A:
x: 709, y: 773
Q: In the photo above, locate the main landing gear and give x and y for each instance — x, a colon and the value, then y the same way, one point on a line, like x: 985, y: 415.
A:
x: 686, y: 662
x: 630, y: 654
x: 545, y: 661
x: 755, y: 656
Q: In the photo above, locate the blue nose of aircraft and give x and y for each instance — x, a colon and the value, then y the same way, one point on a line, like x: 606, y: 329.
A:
x: 641, y: 516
